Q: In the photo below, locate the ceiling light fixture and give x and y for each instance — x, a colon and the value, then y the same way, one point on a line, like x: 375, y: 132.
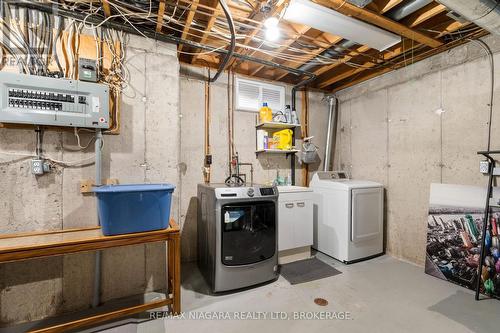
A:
x: 272, y: 31
x: 327, y: 20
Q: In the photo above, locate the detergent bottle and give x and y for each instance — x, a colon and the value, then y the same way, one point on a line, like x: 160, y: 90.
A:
x: 283, y: 139
x: 265, y: 114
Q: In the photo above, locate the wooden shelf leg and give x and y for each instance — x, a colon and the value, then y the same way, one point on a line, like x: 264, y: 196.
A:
x: 174, y: 272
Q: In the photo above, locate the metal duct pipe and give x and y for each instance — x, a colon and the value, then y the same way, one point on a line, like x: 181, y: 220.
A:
x: 484, y: 13
x: 396, y: 14
x: 332, y: 116
x: 360, y: 3
x: 96, y: 299
x: 331, y: 53
x: 407, y: 8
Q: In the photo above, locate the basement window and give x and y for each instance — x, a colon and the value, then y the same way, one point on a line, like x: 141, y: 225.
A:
x: 250, y: 94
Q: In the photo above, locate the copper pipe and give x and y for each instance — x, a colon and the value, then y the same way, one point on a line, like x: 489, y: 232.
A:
x: 206, y: 168
x: 305, y: 133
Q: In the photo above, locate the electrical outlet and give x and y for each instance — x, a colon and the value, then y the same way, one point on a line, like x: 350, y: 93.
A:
x: 484, y: 167
x: 39, y: 167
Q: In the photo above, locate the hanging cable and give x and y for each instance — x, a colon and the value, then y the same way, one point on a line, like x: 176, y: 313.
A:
x: 489, y: 53
x: 232, y: 45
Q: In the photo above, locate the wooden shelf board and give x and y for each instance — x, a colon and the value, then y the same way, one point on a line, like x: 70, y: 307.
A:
x: 41, y: 244
x: 104, y: 317
x: 276, y: 151
x: 276, y: 125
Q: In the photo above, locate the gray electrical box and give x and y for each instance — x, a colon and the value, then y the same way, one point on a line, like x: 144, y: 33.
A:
x: 87, y: 70
x: 40, y: 100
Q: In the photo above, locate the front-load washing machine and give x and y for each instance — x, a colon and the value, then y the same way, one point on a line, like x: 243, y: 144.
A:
x: 237, y: 235
x: 348, y: 217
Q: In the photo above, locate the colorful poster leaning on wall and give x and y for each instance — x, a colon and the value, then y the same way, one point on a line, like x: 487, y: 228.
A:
x: 454, y: 228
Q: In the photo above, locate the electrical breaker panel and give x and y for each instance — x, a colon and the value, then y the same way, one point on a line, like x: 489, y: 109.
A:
x: 40, y: 100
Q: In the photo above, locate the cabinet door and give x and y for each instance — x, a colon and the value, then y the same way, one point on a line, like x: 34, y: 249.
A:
x: 303, y: 223
x: 286, y: 223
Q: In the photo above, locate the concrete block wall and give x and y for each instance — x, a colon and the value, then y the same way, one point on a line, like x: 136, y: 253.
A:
x: 390, y: 132
x: 192, y: 138
x: 161, y: 140
x: 147, y: 150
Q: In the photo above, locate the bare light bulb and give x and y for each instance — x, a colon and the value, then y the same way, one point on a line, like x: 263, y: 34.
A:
x: 272, y: 31
x: 271, y: 22
x: 273, y: 34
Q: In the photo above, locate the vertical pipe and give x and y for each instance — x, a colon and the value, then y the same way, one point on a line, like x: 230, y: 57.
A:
x: 331, y: 118
x: 38, y: 149
x: 296, y: 87
x: 98, y: 181
x: 207, y: 162
x: 229, y: 121
x: 305, y: 133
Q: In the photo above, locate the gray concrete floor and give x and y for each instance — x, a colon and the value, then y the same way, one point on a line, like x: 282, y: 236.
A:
x: 382, y: 295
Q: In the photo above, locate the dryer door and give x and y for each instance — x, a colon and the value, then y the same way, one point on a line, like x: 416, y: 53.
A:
x: 248, y: 232
x: 366, y: 214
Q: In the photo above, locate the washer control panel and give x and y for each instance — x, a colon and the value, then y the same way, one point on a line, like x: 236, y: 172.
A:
x: 227, y: 192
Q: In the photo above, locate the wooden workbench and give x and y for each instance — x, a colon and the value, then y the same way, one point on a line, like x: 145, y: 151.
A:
x: 17, y: 247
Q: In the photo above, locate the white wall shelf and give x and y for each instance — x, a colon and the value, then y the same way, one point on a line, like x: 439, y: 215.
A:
x: 276, y: 151
x: 276, y: 125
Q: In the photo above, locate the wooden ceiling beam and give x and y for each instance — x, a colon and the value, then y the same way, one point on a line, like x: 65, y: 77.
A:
x: 325, y: 68
x: 336, y: 77
x: 161, y: 13
x: 422, y: 56
x: 381, y: 21
x: 388, y: 56
x: 278, y: 8
x: 387, y: 5
x: 208, y: 28
x: 426, y: 13
x: 333, y: 40
x: 343, y: 60
x: 301, y: 31
x: 189, y: 20
x: 106, y: 8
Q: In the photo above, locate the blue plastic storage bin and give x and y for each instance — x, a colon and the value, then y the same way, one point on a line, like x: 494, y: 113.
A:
x: 125, y: 209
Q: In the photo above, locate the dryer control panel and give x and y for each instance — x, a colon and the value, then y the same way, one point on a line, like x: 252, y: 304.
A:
x: 329, y: 175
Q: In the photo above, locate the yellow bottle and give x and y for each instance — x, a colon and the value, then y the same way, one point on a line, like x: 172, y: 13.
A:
x: 265, y: 114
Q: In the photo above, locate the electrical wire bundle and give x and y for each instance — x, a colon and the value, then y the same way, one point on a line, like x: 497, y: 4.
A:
x: 35, y: 41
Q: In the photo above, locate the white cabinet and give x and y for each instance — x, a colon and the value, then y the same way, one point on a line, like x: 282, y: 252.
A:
x: 295, y: 218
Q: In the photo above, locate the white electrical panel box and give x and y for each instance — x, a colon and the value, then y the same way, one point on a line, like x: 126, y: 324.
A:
x: 40, y: 100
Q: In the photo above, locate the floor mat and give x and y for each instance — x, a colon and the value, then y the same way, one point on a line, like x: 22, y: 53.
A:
x: 307, y: 270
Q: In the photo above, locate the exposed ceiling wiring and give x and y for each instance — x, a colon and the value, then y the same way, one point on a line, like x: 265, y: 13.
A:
x: 292, y: 54
x: 291, y: 50
x: 232, y: 44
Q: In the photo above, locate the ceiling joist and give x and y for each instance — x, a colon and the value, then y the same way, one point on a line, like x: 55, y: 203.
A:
x: 159, y: 19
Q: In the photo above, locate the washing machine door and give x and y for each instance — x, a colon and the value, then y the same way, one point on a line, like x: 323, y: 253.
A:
x: 248, y: 232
